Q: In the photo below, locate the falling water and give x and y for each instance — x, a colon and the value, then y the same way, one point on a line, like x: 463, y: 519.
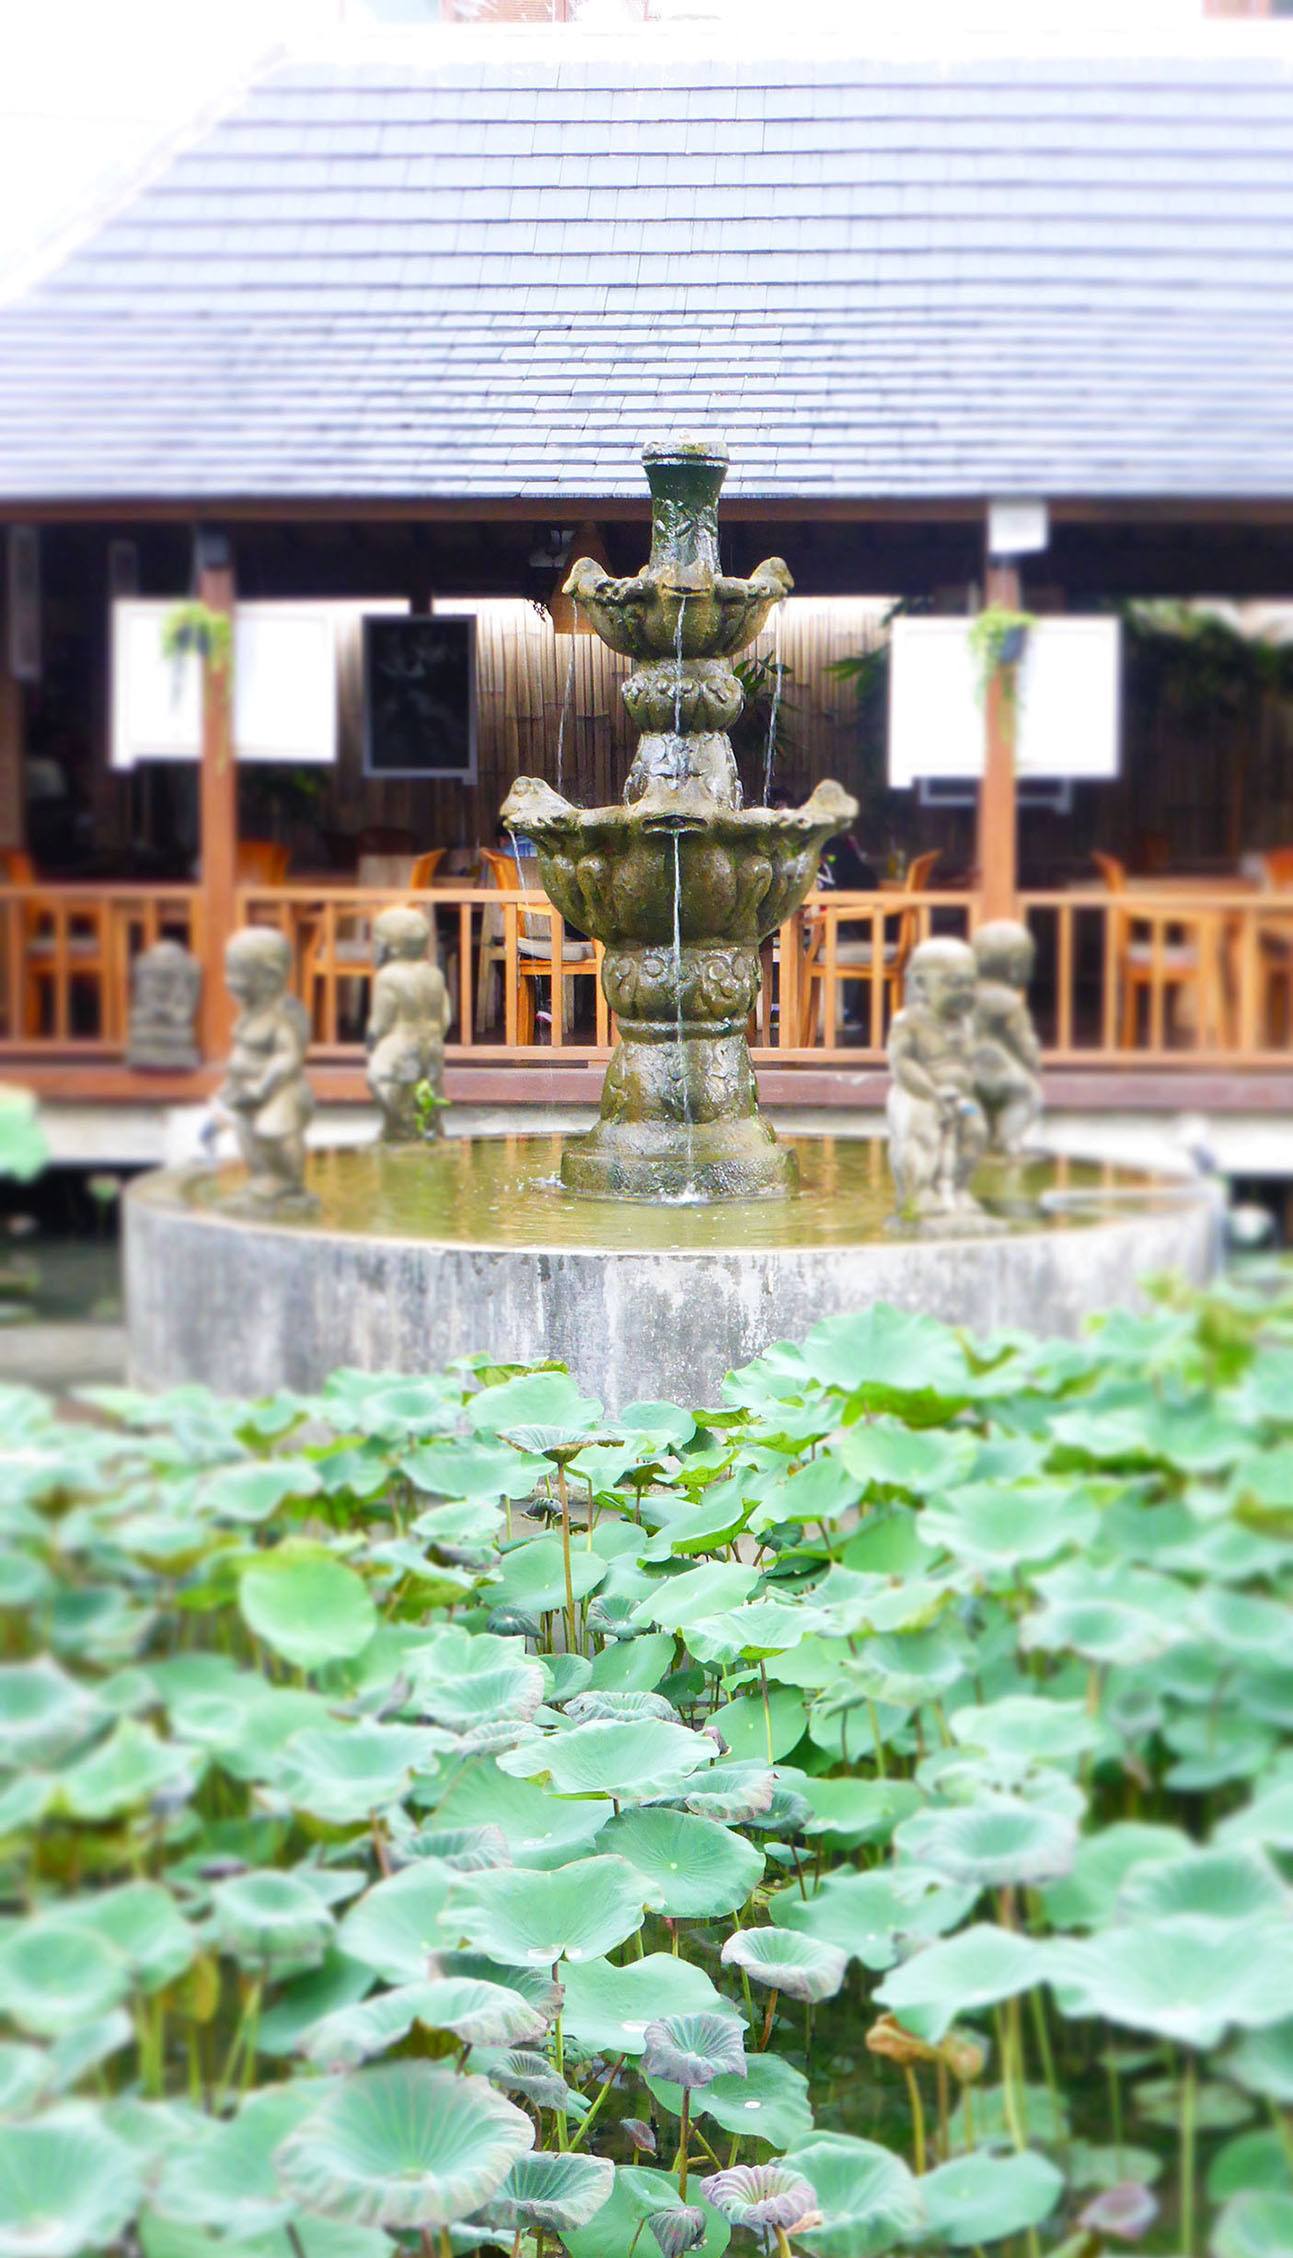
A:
x: 677, y: 990
x: 771, y: 747
x: 565, y: 716
x: 678, y: 677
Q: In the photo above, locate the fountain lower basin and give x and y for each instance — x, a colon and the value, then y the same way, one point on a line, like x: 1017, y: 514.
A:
x: 418, y: 1255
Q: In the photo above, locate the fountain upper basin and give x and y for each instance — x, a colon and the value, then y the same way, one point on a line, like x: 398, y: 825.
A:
x: 421, y: 1254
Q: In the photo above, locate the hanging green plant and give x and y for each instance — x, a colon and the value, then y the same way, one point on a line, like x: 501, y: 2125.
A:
x: 997, y: 639
x: 195, y: 627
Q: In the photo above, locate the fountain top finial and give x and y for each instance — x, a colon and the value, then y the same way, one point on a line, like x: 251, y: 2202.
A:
x: 685, y: 447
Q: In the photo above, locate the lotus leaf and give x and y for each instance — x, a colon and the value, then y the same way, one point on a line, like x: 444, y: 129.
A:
x: 786, y: 1960
x: 978, y: 1968
x: 395, y: 1927
x: 1184, y: 1977
x: 631, y: 1762
x: 590, y: 1707
x: 132, y: 1767
x: 306, y: 1606
x: 254, y: 1491
x: 868, y: 1916
x: 475, y: 1470
x: 25, y: 2076
x: 1004, y: 1524
x: 531, y: 1920
x: 730, y: 1792
x: 44, y: 1714
x: 1229, y: 1885
x: 1087, y: 1896
x: 982, y: 2198
x: 694, y: 1868
x: 224, y: 2176
x: 675, y: 2232
x: 270, y: 1918
x: 66, y: 2185
x: 1263, y: 2061
x: 887, y: 1359
x: 545, y: 2190
x: 994, y: 1841
x: 631, y: 1665
x: 532, y: 1577
x: 519, y: 2071
x: 620, y: 2227
x: 866, y: 2195
x: 1267, y: 1820
x: 761, y: 2195
x: 142, y: 1922
x: 1258, y: 2224
x: 676, y: 1602
x: 407, y: 2145
x: 345, y: 1773
x: 478, y: 2013
x: 770, y: 2103
x: 56, y: 1973
x: 746, y: 1725
x: 693, y: 2050
x: 1249, y: 2160
x: 541, y: 1830
x: 461, y: 1678
x: 609, y: 2010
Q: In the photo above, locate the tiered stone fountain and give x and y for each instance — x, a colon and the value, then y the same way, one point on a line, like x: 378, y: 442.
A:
x: 680, y: 1236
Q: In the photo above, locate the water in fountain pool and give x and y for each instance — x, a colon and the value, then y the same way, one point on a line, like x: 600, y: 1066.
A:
x: 504, y: 1192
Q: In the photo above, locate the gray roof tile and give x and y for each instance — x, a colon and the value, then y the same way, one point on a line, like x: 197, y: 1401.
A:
x: 494, y: 276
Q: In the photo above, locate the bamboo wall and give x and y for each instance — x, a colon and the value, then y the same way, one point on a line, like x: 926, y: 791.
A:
x: 527, y: 677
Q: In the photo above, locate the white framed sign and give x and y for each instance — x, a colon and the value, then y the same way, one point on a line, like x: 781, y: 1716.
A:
x: 284, y: 685
x: 1067, y: 717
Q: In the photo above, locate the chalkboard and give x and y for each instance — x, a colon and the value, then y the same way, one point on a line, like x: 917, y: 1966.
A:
x: 420, y: 697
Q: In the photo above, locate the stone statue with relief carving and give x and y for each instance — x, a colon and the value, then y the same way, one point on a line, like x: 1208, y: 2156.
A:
x: 406, y: 1029
x: 937, y: 1131
x: 265, y: 1093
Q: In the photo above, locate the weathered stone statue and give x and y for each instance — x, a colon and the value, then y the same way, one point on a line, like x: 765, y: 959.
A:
x: 265, y: 1090
x: 1007, y: 1054
x: 680, y: 881
x: 406, y: 1026
x: 937, y: 1132
x: 164, y: 984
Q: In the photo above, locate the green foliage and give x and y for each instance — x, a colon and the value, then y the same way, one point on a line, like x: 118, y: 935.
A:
x: 997, y: 639
x: 23, y: 1151
x: 879, y: 1788
x: 196, y: 627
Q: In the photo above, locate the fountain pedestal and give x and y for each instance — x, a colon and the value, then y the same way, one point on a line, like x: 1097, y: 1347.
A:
x: 681, y: 882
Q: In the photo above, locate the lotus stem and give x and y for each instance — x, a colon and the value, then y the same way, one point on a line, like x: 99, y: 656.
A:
x: 917, y: 2107
x: 684, y: 2124
x: 767, y: 2022
x: 944, y: 2128
x: 585, y: 2124
x: 1037, y: 2005
x: 1189, y: 2097
x: 767, y: 1710
x: 563, y: 1493
x: 559, y: 2059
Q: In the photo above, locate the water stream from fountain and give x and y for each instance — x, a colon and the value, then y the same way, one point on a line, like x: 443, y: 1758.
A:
x: 770, y: 749
x: 688, y: 1188
x: 678, y: 677
x: 566, y: 703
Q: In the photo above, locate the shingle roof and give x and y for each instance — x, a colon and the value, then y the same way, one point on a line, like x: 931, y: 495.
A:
x: 472, y: 275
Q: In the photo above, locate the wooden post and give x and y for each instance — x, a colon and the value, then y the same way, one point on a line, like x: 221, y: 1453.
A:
x: 13, y: 729
x: 998, y: 807
x: 218, y: 806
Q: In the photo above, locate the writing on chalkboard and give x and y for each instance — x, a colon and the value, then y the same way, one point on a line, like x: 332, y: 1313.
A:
x: 420, y: 697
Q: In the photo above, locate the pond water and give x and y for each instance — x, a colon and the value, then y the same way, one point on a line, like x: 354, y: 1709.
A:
x: 504, y: 1192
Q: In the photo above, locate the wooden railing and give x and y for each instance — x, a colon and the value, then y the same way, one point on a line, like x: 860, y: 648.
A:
x: 1163, y: 975
x: 65, y: 956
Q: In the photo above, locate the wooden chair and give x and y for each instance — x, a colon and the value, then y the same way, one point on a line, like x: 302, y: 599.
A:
x: 337, y: 958
x: 857, y: 959
x: 261, y: 862
x: 1275, y: 950
x: 63, y: 946
x: 1183, y: 964
x: 533, y: 947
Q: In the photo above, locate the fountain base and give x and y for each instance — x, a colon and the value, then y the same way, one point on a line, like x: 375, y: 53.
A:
x: 469, y: 1246
x: 662, y: 1160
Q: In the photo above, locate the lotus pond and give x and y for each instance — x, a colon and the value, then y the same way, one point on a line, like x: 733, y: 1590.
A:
x: 853, y: 1817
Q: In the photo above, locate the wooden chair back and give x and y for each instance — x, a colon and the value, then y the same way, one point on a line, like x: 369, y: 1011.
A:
x: 919, y: 872
x: 261, y: 862
x: 1277, y: 868
x: 424, y: 869
x: 17, y: 867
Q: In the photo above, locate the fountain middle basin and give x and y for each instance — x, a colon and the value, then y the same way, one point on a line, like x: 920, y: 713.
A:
x: 421, y: 1254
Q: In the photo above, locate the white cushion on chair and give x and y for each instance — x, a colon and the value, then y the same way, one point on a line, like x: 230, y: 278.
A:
x: 572, y: 952
x: 861, y: 953
x: 1174, y: 956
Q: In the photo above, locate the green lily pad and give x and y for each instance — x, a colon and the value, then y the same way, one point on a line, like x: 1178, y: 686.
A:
x: 1184, y: 1977
x: 270, y: 1918
x: 546, y: 2190
x: 534, y: 1919
x: 66, y: 2185
x: 1255, y: 2225
x: 1086, y: 1897
x: 395, y: 1927
x: 695, y: 1868
x: 608, y: 2010
x: 866, y: 2195
x: 142, y: 1922
x: 475, y: 2011
x: 788, y: 1961
x: 306, y: 1606
x: 978, y: 1968
x: 1263, y: 2062
x: 345, y: 1773
x: 225, y: 2177
x: 631, y: 1762
x: 770, y: 2103
x: 1226, y: 1885
x: 132, y: 1767
x: 983, y: 2198
x: 869, y: 1916
x: 997, y: 1840
x: 542, y: 1830
x: 531, y: 1577
x: 461, y: 1678
x: 56, y: 1973
x: 408, y: 2145
x: 44, y: 1714
x: 627, y: 1665
x: 676, y: 1602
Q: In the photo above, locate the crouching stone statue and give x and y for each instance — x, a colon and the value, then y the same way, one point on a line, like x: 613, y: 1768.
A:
x: 265, y: 1091
x: 406, y: 1028
x: 937, y: 1131
x: 1007, y: 1054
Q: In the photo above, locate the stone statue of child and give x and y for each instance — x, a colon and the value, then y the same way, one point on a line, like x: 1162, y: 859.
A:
x: 265, y: 1090
x: 406, y: 1026
x: 937, y: 1132
x: 164, y: 984
x: 1007, y: 1054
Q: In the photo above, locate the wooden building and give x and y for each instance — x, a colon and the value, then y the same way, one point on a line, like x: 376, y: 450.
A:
x: 394, y: 329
